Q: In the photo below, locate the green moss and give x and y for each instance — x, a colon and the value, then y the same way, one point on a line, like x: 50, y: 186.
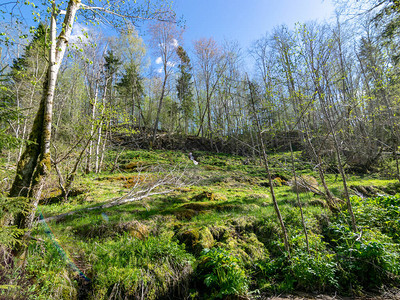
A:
x: 46, y: 161
x: 138, y: 268
x: 43, y: 170
x: 196, y: 239
x: 225, y: 209
x: 204, y: 196
x: 186, y: 214
x: 247, y: 247
x: 198, y: 206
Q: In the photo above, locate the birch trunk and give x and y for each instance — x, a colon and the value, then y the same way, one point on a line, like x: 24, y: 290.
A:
x: 34, y: 164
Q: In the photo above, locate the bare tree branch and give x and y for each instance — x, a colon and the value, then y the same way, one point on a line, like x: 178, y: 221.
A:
x: 142, y: 188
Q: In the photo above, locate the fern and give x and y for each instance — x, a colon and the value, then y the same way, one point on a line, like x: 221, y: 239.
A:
x: 9, y: 207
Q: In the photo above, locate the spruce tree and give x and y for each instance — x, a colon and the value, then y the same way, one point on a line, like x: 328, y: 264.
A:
x: 184, y: 87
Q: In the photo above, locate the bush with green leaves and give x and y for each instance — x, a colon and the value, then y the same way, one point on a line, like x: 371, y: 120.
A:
x: 366, y: 259
x: 12, y: 280
x: 314, y: 270
x: 222, y: 273
x: 303, y: 270
x: 14, y: 283
x: 382, y: 213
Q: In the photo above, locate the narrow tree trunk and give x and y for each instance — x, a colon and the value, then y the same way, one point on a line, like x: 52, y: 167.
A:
x: 265, y: 160
x: 337, y: 150
x: 159, y: 108
x: 328, y: 194
x: 103, y: 150
x: 343, y: 175
x: 71, y: 176
x: 298, y: 197
x: 100, y: 130
x: 97, y: 151
x: 92, y: 130
x: 209, y: 131
x: 133, y: 104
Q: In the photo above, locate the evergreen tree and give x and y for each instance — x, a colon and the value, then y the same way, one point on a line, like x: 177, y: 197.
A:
x: 35, y: 47
x: 8, y: 113
x: 184, y: 87
x: 130, y: 87
x: 20, y: 89
x: 111, y: 68
x: 28, y: 71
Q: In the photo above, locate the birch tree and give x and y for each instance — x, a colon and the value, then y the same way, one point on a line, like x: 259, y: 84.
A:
x: 34, y: 164
x: 165, y: 40
x: 209, y: 56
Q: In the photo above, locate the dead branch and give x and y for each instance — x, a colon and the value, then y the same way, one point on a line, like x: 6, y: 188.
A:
x: 164, y: 183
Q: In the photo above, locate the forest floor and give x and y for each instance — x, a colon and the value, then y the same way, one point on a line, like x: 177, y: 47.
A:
x: 156, y: 247
x: 393, y: 294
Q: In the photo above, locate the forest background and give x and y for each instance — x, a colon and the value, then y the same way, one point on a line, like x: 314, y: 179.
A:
x: 71, y: 104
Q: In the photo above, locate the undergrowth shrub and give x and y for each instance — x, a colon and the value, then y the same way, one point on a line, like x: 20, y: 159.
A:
x: 369, y: 258
x: 366, y: 259
x: 48, y: 271
x: 382, y: 213
x: 9, y: 207
x: 222, y: 273
x: 13, y: 281
x: 315, y: 270
x: 303, y: 271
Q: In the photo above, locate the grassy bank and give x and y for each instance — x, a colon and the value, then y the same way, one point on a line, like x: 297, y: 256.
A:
x: 214, y: 236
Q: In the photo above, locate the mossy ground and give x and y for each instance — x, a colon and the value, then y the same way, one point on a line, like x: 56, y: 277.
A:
x: 152, y: 247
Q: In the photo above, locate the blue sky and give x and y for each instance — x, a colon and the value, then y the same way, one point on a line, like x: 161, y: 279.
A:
x: 245, y: 21
x: 241, y: 21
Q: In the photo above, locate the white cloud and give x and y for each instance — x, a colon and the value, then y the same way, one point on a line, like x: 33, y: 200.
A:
x: 170, y: 64
x: 158, y: 60
x: 80, y: 34
x: 175, y: 43
x: 160, y: 70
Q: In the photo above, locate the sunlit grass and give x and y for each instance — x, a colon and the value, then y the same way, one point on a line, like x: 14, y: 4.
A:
x: 226, y: 195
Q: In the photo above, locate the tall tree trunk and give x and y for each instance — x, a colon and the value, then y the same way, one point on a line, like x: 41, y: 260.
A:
x: 297, y: 109
x: 159, y: 107
x: 103, y: 148
x: 298, y: 196
x: 209, y: 129
x: 317, y: 157
x: 265, y: 160
x: 336, y: 146
x: 92, y: 129
x: 34, y: 164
